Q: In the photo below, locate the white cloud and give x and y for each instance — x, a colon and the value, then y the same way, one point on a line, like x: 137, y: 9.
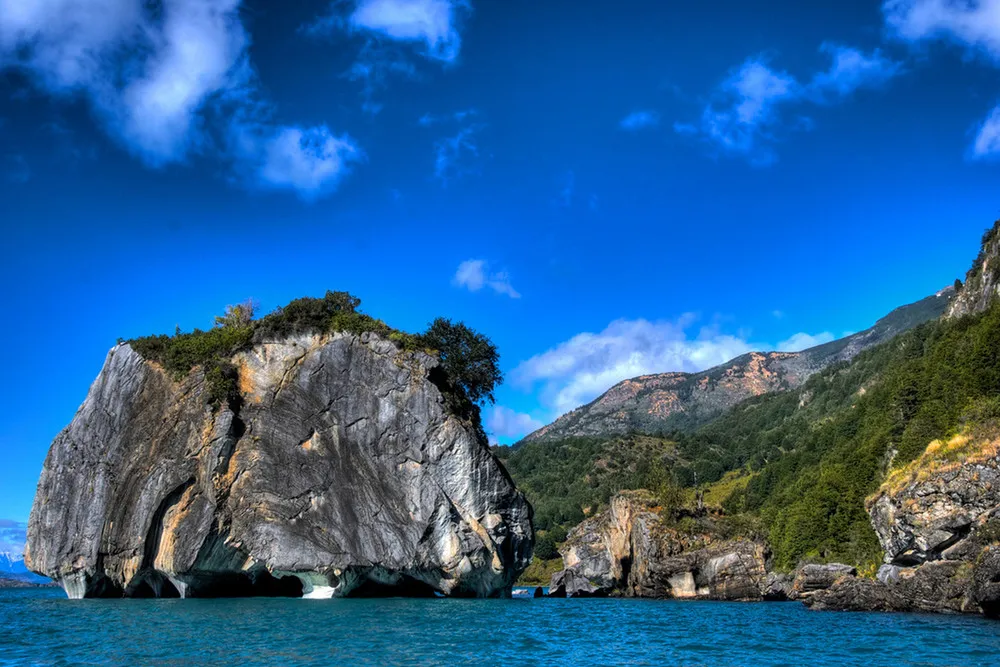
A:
x: 974, y: 25
x: 987, y: 141
x: 746, y: 109
x: 432, y: 23
x: 148, y: 74
x: 803, y: 341
x: 745, y: 114
x: 390, y: 29
x: 639, y: 120
x: 474, y: 274
x: 508, y: 424
x: 580, y: 369
x: 158, y: 75
x: 307, y: 161
x: 852, y: 69
x: 197, y: 54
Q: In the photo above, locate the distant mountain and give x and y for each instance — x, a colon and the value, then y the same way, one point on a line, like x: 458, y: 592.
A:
x: 684, y: 401
x: 12, y: 537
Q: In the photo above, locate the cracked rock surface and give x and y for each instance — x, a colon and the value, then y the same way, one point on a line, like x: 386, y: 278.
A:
x: 627, y: 550
x: 339, y: 473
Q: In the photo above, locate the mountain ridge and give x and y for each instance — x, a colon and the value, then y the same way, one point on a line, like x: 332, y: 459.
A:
x: 663, y: 402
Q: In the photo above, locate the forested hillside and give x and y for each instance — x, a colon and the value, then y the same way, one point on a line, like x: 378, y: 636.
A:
x: 803, y: 461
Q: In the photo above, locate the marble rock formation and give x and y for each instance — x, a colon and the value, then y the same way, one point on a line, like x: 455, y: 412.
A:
x: 339, y: 471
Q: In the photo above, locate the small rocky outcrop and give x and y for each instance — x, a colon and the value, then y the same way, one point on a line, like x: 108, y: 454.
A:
x: 818, y: 577
x: 628, y: 550
x: 982, y: 282
x: 938, y: 520
x: 338, y: 471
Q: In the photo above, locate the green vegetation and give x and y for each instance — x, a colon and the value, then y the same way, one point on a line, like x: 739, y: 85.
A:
x: 540, y: 572
x: 469, y: 372
x: 568, y: 479
x: 795, y: 466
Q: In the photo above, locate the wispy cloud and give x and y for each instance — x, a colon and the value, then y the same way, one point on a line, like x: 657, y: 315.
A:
x: 474, y: 274
x: 972, y: 25
x: 585, y: 366
x: 580, y: 369
x: 377, y: 63
x: 452, y: 154
x: 803, y: 341
x: 161, y: 78
x: 392, y: 30
x: 428, y: 119
x: 504, y: 423
x: 850, y: 70
x: 747, y: 111
x: 308, y: 161
x: 431, y: 23
x: 639, y: 120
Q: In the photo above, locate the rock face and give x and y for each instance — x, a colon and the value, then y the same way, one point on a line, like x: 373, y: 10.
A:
x: 666, y: 401
x: 812, y: 578
x: 938, y: 521
x: 339, y: 473
x: 627, y: 550
x: 982, y: 282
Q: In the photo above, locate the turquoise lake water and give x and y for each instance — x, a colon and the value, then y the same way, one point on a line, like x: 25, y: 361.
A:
x: 41, y: 627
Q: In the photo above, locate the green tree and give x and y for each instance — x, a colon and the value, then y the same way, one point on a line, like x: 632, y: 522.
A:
x: 545, y: 548
x: 469, y: 359
x: 240, y: 315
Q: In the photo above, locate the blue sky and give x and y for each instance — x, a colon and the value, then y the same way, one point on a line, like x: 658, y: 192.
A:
x: 606, y: 189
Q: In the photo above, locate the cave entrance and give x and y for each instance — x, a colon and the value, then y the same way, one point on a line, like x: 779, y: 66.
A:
x: 152, y: 585
x: 406, y: 587
x: 243, y: 585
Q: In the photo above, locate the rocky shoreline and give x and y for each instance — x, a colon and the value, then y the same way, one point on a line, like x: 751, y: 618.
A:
x: 937, y: 521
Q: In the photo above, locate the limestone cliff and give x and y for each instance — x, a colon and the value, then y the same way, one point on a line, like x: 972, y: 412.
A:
x: 339, y: 471
x: 666, y: 401
x: 982, y: 282
x: 938, y: 520
x: 628, y: 550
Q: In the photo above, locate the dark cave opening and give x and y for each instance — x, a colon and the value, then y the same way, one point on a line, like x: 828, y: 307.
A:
x: 406, y: 587
x: 152, y: 585
x: 243, y: 585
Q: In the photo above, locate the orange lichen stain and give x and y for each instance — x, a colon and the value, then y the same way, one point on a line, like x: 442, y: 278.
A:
x: 246, y: 382
x: 308, y: 444
x: 172, y: 521
x: 207, y: 430
x: 664, y: 403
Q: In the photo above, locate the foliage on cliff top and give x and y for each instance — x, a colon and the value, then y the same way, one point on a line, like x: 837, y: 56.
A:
x: 978, y: 441
x: 470, y: 369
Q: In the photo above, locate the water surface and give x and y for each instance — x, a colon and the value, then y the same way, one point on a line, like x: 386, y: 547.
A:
x: 41, y: 627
